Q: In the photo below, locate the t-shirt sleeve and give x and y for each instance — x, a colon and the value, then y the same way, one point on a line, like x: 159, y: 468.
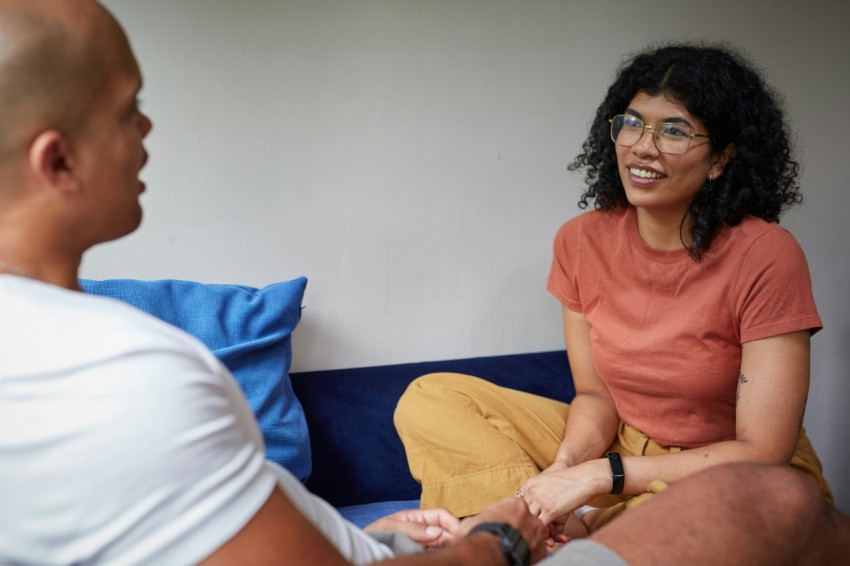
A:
x: 202, y: 458
x: 562, y: 274
x: 774, y: 288
x: 151, y: 455
x: 353, y: 543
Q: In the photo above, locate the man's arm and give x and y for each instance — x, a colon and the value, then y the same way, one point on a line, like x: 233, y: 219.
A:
x: 279, y: 532
x: 731, y: 514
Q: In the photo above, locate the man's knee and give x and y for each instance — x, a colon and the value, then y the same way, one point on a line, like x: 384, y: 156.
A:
x: 766, y: 489
x: 797, y: 495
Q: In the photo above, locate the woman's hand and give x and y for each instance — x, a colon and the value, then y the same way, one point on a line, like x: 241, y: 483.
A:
x: 557, y: 534
x: 431, y: 528
x: 555, y: 467
x: 565, y: 528
x: 557, y: 491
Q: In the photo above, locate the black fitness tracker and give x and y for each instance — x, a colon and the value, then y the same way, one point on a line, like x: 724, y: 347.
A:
x: 617, y: 474
x: 514, y: 547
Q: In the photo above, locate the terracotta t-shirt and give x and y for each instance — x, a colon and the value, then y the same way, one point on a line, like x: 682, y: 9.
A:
x: 666, y: 332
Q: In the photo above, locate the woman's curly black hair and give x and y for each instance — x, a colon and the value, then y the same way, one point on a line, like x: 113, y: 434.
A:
x: 722, y: 89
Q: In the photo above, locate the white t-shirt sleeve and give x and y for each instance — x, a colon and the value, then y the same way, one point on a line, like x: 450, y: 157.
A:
x: 349, y: 540
x: 151, y: 457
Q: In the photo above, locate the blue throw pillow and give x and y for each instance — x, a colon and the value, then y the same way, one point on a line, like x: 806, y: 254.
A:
x: 249, y: 330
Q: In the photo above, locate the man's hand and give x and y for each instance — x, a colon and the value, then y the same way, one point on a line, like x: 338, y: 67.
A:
x: 431, y: 528
x: 514, y: 512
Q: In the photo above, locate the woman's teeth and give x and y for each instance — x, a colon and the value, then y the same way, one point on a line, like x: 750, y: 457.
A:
x: 644, y: 174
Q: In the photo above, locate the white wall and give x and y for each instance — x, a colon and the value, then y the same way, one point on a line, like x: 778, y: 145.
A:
x: 410, y: 158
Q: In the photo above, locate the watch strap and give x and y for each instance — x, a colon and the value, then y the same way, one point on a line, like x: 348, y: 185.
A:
x: 618, y: 475
x: 513, y: 545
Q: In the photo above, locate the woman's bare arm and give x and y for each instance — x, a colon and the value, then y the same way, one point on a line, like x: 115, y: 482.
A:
x: 771, y: 400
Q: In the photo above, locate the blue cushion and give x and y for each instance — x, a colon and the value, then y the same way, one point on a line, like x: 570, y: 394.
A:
x: 249, y: 330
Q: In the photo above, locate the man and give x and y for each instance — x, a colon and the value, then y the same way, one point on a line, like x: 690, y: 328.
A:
x: 123, y: 440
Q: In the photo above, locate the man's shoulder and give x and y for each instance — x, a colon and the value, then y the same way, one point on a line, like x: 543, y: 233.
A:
x: 121, y: 414
x: 49, y: 329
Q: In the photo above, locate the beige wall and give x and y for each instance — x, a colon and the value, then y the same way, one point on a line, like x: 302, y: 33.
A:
x: 410, y: 157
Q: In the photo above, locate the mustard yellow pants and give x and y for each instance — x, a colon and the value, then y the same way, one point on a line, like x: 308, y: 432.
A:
x: 471, y: 443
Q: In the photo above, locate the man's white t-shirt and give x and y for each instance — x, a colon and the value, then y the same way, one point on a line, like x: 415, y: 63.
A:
x: 123, y: 440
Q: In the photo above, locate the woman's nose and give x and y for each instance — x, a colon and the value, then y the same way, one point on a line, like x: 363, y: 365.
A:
x: 646, y: 144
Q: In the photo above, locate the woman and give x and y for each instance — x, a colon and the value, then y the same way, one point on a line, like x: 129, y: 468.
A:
x: 687, y: 311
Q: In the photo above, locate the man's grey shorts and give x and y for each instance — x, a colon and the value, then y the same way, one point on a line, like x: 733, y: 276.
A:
x: 584, y: 552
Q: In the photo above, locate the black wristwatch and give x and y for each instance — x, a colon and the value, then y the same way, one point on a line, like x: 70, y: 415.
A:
x: 514, y: 547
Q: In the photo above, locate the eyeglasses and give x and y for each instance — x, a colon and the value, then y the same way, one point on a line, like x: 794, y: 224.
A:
x: 669, y: 137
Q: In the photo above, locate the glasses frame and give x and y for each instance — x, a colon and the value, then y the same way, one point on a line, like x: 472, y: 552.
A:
x: 654, y: 131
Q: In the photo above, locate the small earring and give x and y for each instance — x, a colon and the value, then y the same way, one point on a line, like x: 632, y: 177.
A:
x: 710, y: 178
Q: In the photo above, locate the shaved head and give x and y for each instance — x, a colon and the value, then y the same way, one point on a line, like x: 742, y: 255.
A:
x: 53, y: 56
x: 72, y: 138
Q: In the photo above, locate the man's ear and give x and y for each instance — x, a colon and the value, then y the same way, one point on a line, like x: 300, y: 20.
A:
x: 720, y: 160
x: 50, y: 161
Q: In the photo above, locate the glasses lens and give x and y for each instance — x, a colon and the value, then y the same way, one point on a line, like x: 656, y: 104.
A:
x: 672, y: 138
x: 626, y: 130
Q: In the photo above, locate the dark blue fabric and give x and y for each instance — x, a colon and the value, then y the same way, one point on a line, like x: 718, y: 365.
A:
x: 357, y: 456
x: 249, y: 330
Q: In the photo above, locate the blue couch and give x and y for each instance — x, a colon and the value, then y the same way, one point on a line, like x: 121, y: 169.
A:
x: 359, y: 464
x: 332, y: 429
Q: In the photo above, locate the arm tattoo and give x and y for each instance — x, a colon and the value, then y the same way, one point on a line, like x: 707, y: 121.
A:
x: 742, y: 379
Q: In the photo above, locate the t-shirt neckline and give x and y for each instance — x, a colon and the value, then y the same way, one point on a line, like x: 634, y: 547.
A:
x: 665, y: 256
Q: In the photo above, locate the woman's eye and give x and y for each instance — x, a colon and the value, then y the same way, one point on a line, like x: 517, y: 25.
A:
x: 674, y: 131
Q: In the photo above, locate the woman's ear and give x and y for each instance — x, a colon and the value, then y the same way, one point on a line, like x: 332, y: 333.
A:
x: 50, y: 161
x: 720, y: 159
